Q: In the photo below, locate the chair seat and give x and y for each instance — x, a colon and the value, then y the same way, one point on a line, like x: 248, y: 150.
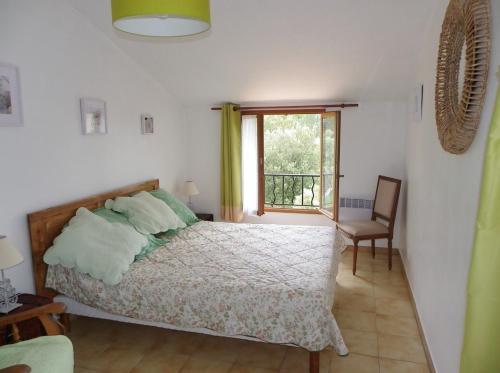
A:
x: 358, y: 228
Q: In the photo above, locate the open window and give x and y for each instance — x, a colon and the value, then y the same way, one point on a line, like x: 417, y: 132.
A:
x: 330, y: 156
x: 298, y: 161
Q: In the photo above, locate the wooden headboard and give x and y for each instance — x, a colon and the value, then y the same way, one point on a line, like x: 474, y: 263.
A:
x: 47, y: 224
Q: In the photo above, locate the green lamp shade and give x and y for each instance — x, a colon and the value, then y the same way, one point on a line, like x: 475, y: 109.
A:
x: 161, y: 17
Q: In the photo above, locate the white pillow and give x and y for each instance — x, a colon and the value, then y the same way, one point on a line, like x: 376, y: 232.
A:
x: 95, y: 246
x: 148, y: 214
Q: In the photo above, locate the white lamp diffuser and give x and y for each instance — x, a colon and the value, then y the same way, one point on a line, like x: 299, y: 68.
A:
x: 190, y: 190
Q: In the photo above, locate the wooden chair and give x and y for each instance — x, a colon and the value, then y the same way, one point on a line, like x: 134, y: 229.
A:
x: 384, y: 209
x: 44, y: 314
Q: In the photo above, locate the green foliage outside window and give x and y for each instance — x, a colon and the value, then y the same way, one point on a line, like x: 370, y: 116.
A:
x: 292, y: 146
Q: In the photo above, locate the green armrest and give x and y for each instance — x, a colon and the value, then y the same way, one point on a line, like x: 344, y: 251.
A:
x: 44, y: 354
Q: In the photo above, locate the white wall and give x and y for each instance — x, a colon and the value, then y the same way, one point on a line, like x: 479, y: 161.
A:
x: 372, y: 143
x: 443, y: 192
x: 62, y: 57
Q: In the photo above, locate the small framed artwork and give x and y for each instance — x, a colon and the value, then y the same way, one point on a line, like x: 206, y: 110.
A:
x: 93, y: 112
x: 418, y: 101
x: 10, y: 96
x: 147, y: 124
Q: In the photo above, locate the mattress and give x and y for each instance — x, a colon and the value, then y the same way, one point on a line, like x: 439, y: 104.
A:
x: 272, y: 282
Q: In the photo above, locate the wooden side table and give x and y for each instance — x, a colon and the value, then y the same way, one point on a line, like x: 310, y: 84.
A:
x: 205, y: 216
x: 30, y: 328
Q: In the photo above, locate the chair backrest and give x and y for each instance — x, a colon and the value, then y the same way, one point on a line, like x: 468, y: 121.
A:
x: 386, y: 200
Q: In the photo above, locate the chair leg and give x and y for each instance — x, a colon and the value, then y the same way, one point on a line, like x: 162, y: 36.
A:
x: 373, y: 248
x: 389, y: 245
x: 355, y: 257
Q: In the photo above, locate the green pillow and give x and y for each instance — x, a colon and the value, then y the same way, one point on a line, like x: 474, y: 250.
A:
x: 92, y: 245
x: 182, y: 211
x: 116, y: 217
x: 146, y: 213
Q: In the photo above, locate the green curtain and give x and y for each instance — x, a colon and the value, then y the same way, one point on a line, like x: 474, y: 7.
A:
x: 230, y: 176
x: 481, y: 347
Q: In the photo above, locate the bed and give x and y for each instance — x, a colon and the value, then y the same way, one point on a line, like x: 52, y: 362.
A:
x: 262, y: 282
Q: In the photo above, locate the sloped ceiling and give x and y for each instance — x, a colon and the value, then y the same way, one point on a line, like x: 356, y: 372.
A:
x: 284, y: 50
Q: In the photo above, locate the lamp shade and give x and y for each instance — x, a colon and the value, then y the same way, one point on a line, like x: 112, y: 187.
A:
x: 190, y: 189
x: 161, y: 17
x: 9, y: 256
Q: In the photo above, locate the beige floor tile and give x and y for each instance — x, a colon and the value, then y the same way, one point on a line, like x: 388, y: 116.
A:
x: 397, y: 307
x: 361, y: 321
x: 362, y: 253
x: 389, y: 279
x: 383, y: 266
x: 297, y: 361
x: 262, y: 355
x: 363, y: 263
x: 80, y: 328
x: 396, y: 366
x: 354, y: 289
x: 354, y: 363
x: 182, y: 343
x: 364, y: 343
x: 396, y: 325
x: 365, y: 275
x: 349, y: 284
x: 394, y: 292
x: 360, y: 266
x: 401, y: 348
x: 382, y: 256
x: 87, y: 347
x: 97, y: 329
x: 138, y: 337
x: 160, y: 360
x: 220, y: 348
x: 243, y: 369
x: 354, y: 302
x: 114, y: 360
x: 194, y: 365
x: 84, y: 370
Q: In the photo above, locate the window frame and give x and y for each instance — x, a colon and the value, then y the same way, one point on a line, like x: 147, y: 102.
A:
x: 261, y: 210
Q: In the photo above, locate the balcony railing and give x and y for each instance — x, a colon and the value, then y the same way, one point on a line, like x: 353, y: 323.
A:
x: 292, y: 190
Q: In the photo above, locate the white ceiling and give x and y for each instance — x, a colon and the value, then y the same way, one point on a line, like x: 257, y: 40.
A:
x: 284, y: 50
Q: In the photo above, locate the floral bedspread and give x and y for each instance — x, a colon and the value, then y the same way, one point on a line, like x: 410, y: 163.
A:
x: 273, y: 282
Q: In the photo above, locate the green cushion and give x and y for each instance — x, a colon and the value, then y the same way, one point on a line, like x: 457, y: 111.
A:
x: 92, y: 245
x: 182, y: 211
x: 116, y: 217
x: 44, y: 354
x: 147, y: 214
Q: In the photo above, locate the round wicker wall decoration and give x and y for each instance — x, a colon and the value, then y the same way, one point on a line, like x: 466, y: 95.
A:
x: 457, y: 118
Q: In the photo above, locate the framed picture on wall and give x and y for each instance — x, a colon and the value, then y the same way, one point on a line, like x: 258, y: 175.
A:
x: 93, y: 113
x: 10, y: 96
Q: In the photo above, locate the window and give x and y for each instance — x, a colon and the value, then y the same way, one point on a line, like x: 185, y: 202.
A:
x: 298, y: 155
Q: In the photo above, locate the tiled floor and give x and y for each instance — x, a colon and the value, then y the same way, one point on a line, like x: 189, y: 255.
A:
x: 373, y: 311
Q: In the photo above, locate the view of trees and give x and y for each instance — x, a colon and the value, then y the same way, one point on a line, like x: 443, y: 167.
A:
x: 292, y: 147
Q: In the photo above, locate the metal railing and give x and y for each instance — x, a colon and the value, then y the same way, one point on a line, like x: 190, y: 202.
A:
x: 292, y: 190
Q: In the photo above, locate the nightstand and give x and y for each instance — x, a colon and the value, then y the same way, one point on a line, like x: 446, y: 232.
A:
x: 30, y: 328
x: 205, y: 216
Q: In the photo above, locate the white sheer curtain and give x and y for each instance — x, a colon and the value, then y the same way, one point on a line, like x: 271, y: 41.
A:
x: 249, y: 164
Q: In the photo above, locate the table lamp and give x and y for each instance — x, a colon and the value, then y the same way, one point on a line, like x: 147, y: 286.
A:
x: 190, y: 190
x: 9, y: 257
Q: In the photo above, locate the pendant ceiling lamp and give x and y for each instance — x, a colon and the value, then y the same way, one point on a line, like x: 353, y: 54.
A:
x: 161, y: 17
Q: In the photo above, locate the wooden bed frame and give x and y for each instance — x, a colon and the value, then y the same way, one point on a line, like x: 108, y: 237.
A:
x: 47, y: 224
